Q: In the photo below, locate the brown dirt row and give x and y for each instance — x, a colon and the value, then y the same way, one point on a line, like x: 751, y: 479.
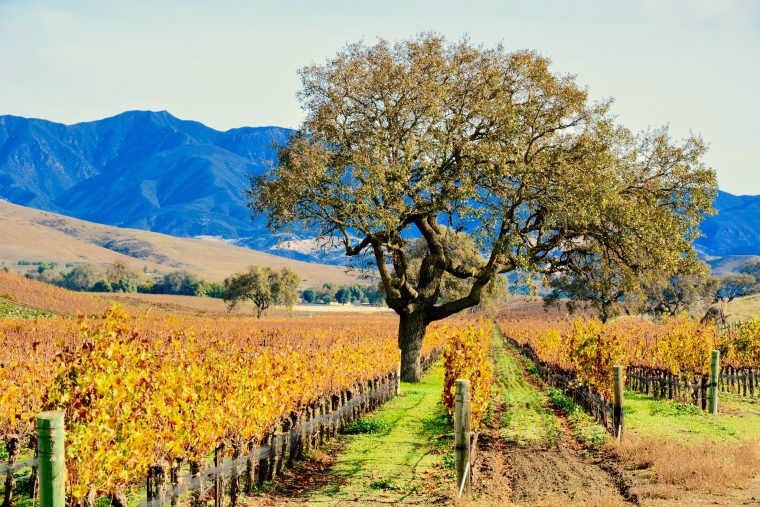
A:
x: 562, y: 472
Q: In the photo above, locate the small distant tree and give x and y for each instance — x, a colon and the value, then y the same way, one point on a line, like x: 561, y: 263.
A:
x: 284, y: 286
x: 124, y: 284
x: 599, y: 287
x: 327, y: 292
x: 215, y: 290
x: 263, y: 287
x: 147, y: 286
x: 691, y: 292
x: 356, y: 292
x: 309, y: 296
x: 178, y: 282
x: 120, y: 269
x: 252, y: 285
x: 343, y: 295
x: 736, y: 285
x: 102, y: 285
x: 81, y: 277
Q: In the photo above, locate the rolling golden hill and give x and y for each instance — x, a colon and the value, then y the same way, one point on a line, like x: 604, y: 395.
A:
x: 33, y: 235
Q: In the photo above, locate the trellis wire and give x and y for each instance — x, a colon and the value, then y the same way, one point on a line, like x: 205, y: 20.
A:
x: 4, y: 468
x: 692, y: 388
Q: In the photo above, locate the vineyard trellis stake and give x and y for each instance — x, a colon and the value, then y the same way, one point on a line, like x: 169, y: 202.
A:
x: 714, y: 370
x: 617, y: 408
x: 462, y: 423
x: 52, y: 459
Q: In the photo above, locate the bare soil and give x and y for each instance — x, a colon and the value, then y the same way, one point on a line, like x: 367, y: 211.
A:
x: 534, y: 460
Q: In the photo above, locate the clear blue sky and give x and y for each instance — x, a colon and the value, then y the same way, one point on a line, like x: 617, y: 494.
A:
x: 694, y: 64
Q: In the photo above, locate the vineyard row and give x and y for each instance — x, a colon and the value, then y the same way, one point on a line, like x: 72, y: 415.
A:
x: 567, y: 381
x: 692, y: 388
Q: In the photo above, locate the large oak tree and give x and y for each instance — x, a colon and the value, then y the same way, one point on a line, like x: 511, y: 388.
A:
x: 428, y: 139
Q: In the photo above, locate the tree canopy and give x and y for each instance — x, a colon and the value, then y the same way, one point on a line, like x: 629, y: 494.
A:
x: 263, y: 287
x: 430, y: 139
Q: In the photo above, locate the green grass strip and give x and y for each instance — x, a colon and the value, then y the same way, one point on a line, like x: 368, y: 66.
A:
x: 528, y: 416
x: 401, y: 451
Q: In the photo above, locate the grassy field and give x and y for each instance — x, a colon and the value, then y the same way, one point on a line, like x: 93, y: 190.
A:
x: 743, y: 308
x: 738, y: 418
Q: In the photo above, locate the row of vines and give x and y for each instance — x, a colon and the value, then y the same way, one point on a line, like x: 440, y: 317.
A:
x: 466, y: 356
x: 140, y: 390
x: 678, y: 346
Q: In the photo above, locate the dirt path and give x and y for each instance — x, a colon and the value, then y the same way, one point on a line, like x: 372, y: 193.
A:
x: 545, y: 465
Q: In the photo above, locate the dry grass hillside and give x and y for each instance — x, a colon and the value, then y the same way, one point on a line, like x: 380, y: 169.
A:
x: 33, y: 235
x: 743, y: 308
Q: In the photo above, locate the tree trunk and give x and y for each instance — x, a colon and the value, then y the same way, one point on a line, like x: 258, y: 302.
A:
x: 411, y: 331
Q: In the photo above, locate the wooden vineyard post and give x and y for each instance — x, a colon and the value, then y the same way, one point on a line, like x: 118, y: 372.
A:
x: 218, y: 478
x: 398, y: 374
x: 249, y: 470
x: 462, y: 435
x: 12, y: 447
x: 174, y: 477
x: 617, y: 407
x: 714, y: 369
x: 52, y: 461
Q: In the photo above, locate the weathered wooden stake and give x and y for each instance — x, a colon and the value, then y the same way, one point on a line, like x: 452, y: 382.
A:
x: 714, y: 369
x: 462, y: 435
x: 174, y: 479
x: 218, y: 478
x: 617, y: 407
x: 12, y: 444
x: 398, y: 375
x: 197, y: 498
x: 52, y: 461
x: 249, y: 470
x: 160, y: 484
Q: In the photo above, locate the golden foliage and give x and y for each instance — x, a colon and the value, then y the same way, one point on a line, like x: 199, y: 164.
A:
x: 140, y: 389
x: 679, y: 345
x: 466, y: 356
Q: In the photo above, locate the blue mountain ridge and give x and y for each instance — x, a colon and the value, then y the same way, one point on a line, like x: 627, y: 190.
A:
x: 142, y: 169
x: 150, y: 170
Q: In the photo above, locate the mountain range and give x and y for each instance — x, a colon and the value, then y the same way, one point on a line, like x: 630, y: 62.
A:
x: 152, y: 171
x: 142, y: 170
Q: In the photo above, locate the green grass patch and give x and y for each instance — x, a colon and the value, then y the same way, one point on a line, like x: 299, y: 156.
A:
x: 361, y: 426
x: 737, y: 418
x: 10, y: 310
x: 402, y: 449
x: 584, y: 427
x: 528, y: 416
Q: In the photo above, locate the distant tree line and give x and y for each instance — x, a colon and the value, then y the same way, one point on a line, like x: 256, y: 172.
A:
x: 262, y: 286
x: 693, y: 290
x: 343, y: 294
x: 119, y: 277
